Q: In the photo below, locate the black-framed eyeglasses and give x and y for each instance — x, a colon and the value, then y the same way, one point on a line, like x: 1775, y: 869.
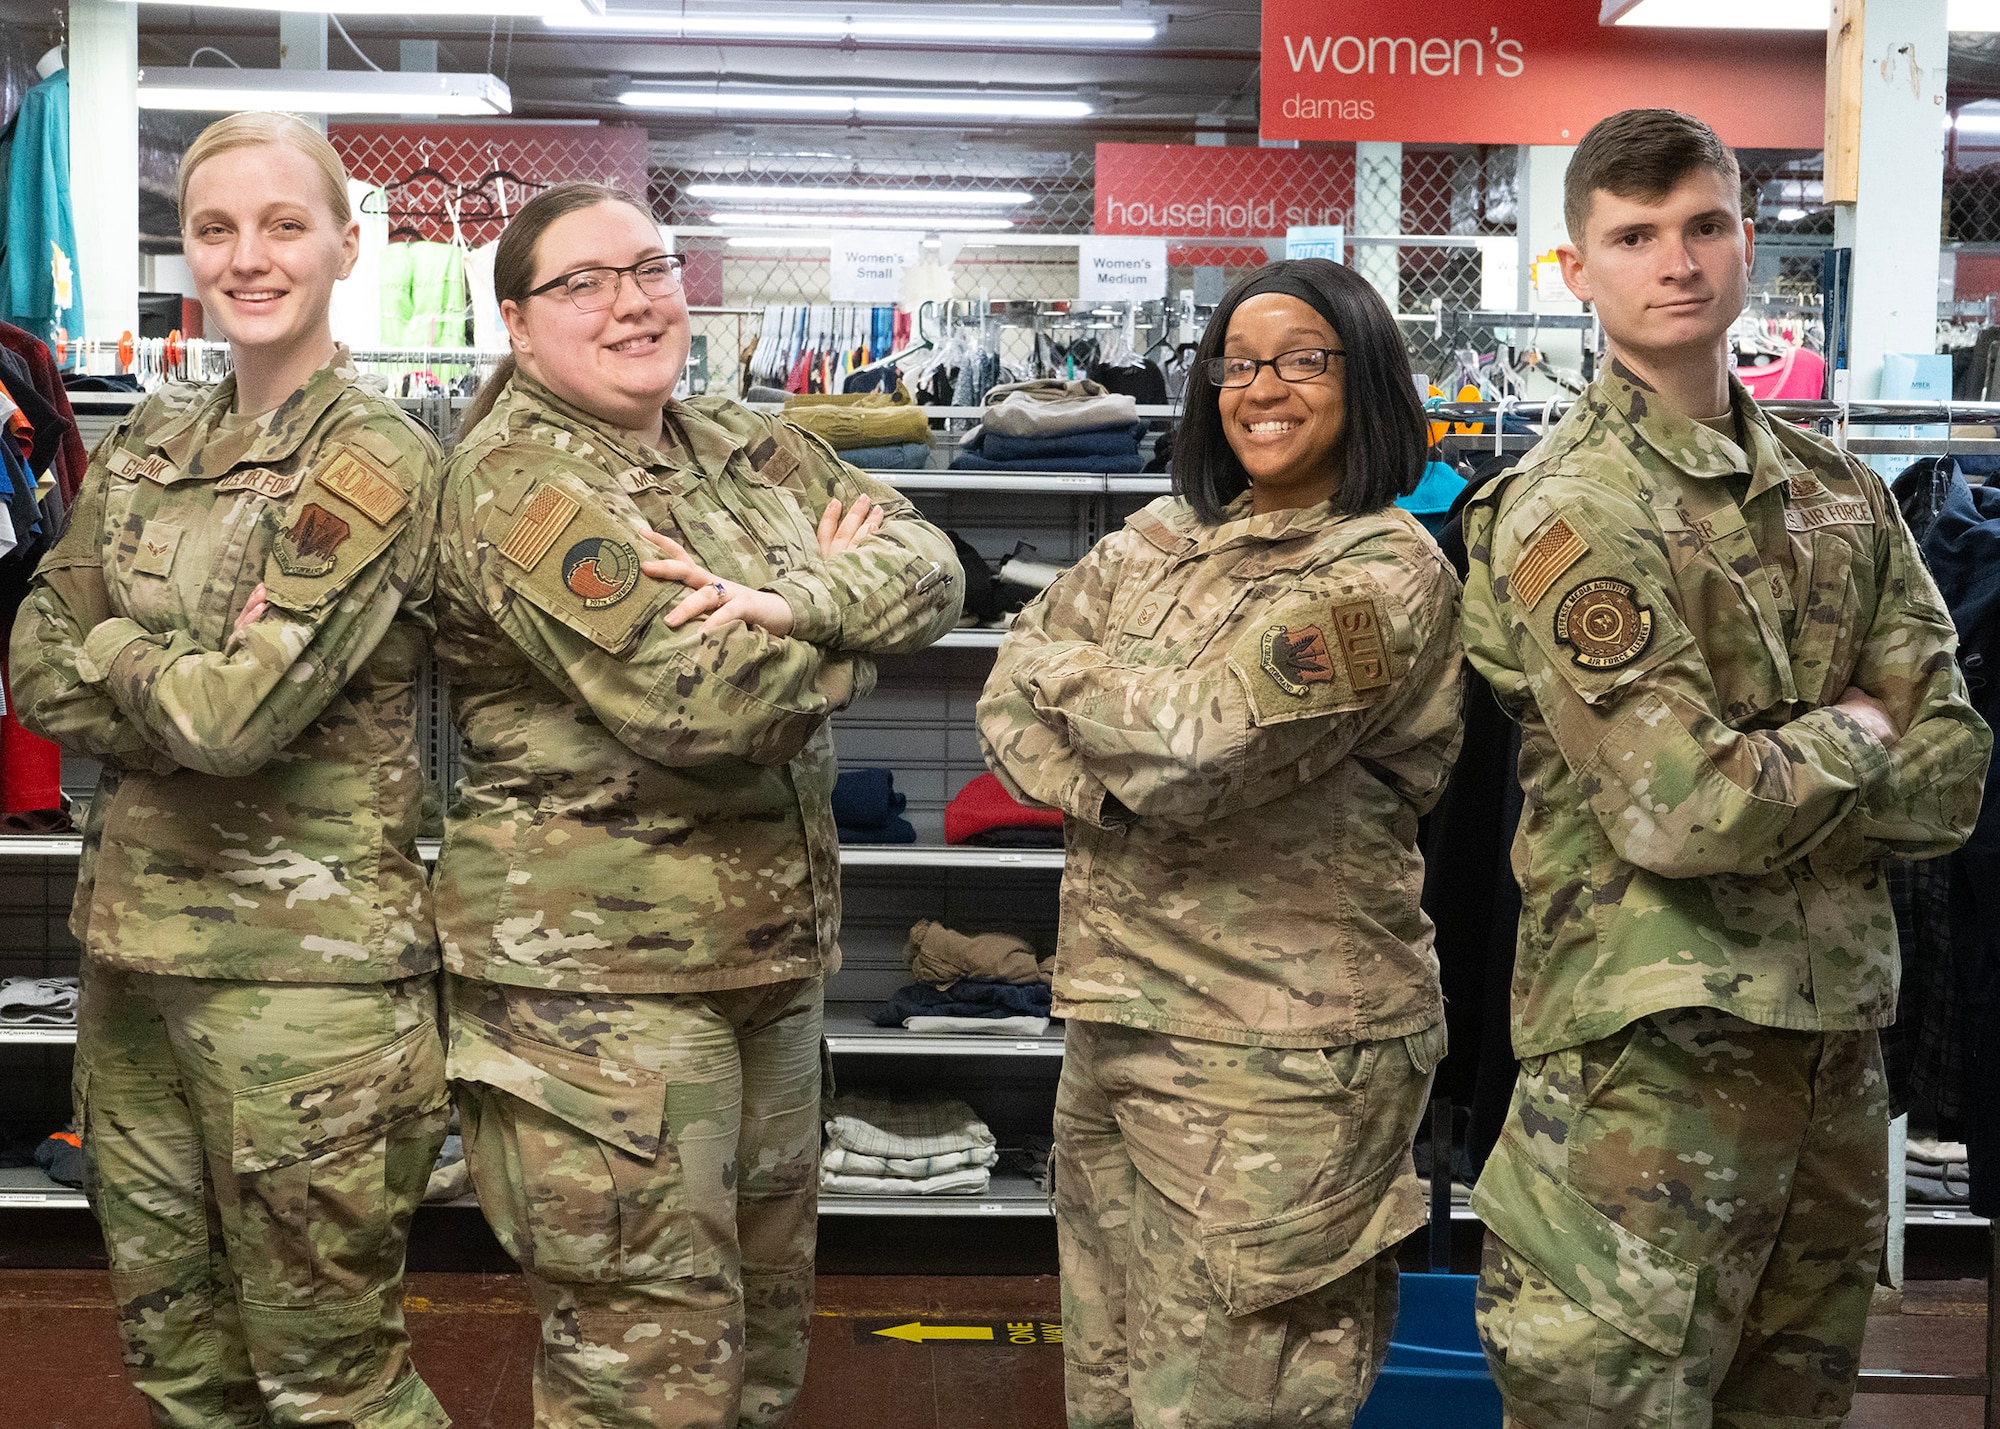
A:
x: 594, y: 289
x: 1299, y: 365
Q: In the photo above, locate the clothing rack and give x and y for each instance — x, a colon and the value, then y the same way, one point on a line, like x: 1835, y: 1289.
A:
x: 1833, y: 417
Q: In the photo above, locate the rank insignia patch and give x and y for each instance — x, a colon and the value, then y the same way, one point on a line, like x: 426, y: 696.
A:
x: 1603, y: 624
x: 1295, y: 659
x: 600, y: 572
x: 309, y: 547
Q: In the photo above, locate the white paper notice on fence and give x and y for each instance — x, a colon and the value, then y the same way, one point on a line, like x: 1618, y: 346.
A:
x: 868, y: 267
x: 1114, y: 269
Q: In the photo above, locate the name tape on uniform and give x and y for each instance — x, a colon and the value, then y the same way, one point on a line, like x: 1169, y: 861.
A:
x: 1830, y: 513
x: 263, y: 481
x: 547, y: 513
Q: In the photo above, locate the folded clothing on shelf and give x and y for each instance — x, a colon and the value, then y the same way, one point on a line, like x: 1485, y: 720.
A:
x: 1129, y: 464
x: 985, y: 814
x: 1930, y: 1150
x: 941, y: 956
x: 868, y: 810
x: 903, y: 456
x: 853, y: 1163
x: 38, y: 1002
x: 864, y: 419
x: 945, y: 1147
x: 1931, y: 1183
x: 968, y: 997
x: 1119, y: 440
x: 1049, y: 406
x: 979, y: 1026
x: 61, y: 1158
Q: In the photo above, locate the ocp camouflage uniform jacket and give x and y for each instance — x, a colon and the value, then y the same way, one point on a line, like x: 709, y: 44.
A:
x: 257, y: 814
x: 1671, y: 617
x: 1243, y: 723
x: 648, y: 809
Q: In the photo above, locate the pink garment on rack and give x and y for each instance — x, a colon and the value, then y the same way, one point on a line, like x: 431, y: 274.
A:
x: 1799, y: 373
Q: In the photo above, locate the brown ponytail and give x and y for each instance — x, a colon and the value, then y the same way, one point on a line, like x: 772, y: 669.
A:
x: 514, y: 267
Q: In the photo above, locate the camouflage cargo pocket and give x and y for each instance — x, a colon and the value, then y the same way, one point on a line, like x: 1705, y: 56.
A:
x: 572, y: 1158
x: 329, y: 1167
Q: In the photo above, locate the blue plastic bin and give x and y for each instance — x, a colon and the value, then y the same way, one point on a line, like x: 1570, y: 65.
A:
x: 1436, y: 1372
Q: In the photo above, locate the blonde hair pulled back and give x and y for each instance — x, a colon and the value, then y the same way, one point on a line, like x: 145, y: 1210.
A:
x: 243, y: 131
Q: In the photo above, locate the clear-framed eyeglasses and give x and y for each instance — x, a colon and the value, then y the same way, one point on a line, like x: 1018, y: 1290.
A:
x: 1301, y: 364
x: 594, y: 289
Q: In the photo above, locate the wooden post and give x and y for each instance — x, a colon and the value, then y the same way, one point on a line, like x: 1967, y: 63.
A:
x: 1843, y: 101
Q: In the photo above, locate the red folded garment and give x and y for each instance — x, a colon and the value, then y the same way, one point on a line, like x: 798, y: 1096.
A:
x: 985, y: 804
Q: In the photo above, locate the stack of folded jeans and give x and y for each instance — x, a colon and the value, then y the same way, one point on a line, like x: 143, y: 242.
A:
x: 868, y: 810
x: 1054, y: 426
x: 866, y: 428
x: 879, y: 1147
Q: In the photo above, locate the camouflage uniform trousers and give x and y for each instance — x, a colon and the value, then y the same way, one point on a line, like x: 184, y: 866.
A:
x: 651, y: 1160
x: 1226, y: 1219
x: 1684, y: 1224
x: 254, y: 1153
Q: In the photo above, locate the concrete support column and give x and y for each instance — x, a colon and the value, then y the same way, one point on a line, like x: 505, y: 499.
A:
x: 1892, y: 223
x: 1378, y: 209
x: 104, y: 162
x: 302, y: 45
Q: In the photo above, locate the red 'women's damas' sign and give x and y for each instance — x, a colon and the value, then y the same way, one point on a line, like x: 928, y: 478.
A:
x: 1524, y: 72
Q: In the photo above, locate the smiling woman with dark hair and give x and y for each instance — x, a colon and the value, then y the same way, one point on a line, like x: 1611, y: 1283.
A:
x: 1242, y: 702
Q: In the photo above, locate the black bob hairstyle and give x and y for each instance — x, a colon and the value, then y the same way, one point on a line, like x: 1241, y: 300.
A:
x: 1383, y: 445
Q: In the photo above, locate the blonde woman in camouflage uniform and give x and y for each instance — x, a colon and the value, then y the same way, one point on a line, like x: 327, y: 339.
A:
x: 650, y: 609
x: 233, y: 624
x: 1242, y: 701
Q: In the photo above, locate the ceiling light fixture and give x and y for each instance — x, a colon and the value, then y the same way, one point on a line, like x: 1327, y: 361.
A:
x: 790, y: 193
x: 918, y: 222
x: 553, y: 11
x: 953, y: 106
x: 886, y: 24
x: 1962, y: 15
x: 220, y: 90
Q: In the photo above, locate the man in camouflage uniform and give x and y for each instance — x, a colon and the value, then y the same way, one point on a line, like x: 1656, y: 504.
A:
x: 259, y: 1074
x: 639, y: 894
x: 1737, y: 694
x: 1242, y: 722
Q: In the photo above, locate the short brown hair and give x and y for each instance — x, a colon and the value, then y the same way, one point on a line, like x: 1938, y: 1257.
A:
x: 1642, y: 154
x: 257, y: 126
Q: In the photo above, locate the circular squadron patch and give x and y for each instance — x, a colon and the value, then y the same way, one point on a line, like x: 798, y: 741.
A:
x: 600, y: 572
x: 1603, y: 624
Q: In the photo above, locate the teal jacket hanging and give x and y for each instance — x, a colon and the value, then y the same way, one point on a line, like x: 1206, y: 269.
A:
x: 42, y: 290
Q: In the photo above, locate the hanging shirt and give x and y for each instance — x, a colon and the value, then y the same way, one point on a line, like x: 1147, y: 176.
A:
x: 357, y: 299
x: 489, y: 330
x: 43, y: 290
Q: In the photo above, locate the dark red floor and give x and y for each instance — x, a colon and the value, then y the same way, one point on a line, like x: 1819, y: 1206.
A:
x: 475, y: 1337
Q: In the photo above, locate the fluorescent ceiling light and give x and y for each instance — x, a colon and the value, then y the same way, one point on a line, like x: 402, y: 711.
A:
x: 553, y: 11
x: 887, y: 24
x: 920, y: 223
x: 344, y: 91
x: 1986, y: 123
x: 1966, y: 15
x: 955, y: 106
x: 791, y: 193
x: 1790, y: 215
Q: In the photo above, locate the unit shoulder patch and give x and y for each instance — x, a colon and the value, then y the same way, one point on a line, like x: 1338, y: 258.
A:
x: 1554, y: 551
x: 1361, y: 647
x: 1295, y: 658
x: 310, y: 546
x: 1603, y: 624
x: 541, y: 521
x: 600, y: 571
x: 363, y: 483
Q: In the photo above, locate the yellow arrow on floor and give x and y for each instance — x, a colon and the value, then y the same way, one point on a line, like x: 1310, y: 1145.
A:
x: 916, y: 1332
